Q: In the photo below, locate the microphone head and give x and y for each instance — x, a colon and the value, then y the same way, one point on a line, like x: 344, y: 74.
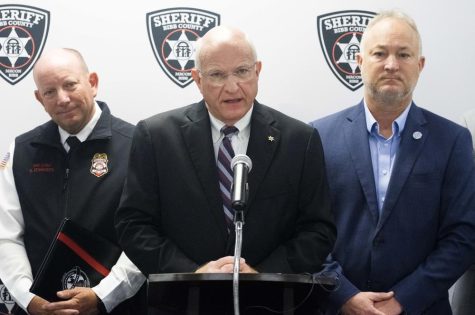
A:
x: 241, y: 158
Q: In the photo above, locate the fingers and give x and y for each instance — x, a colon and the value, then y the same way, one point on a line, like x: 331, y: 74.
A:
x: 76, y: 301
x: 381, y: 296
x: 67, y: 294
x: 228, y: 268
x: 224, y: 265
x: 63, y: 305
x: 247, y: 269
x: 69, y: 303
x: 364, y: 303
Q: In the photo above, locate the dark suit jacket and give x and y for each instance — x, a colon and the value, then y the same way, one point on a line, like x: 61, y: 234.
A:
x: 171, y: 216
x: 425, y: 236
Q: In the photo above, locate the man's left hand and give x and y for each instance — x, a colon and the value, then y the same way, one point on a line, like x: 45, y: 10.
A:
x: 389, y: 307
x: 83, y: 300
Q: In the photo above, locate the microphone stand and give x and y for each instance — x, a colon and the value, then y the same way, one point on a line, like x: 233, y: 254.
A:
x: 238, y: 223
x: 241, y: 164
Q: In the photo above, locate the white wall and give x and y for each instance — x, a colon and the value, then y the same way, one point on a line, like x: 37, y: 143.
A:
x: 295, y: 79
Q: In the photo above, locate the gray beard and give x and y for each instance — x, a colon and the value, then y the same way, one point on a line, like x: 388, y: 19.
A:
x: 387, y: 97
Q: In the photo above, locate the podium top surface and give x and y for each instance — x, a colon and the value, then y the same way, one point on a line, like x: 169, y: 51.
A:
x: 243, y: 277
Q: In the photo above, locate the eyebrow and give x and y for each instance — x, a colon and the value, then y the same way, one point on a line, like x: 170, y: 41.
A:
x: 386, y: 47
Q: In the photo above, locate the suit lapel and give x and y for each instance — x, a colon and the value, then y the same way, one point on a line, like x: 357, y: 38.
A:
x: 197, y: 138
x: 356, y: 136
x: 263, y: 142
x: 409, y: 149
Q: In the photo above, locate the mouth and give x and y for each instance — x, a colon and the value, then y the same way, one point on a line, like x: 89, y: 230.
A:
x: 390, y: 79
x: 66, y: 111
x: 233, y: 101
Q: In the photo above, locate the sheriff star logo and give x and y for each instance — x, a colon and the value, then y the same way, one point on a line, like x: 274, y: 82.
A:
x: 173, y: 34
x: 23, y: 33
x: 340, y: 34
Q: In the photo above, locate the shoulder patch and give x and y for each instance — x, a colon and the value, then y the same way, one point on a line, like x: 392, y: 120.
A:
x: 4, y: 161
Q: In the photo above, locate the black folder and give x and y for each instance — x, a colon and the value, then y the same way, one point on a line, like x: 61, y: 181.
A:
x: 77, y: 257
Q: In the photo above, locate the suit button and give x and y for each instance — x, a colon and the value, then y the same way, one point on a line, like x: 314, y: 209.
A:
x: 369, y: 284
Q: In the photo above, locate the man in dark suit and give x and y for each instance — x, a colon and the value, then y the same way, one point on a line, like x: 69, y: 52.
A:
x: 402, y: 181
x: 172, y: 218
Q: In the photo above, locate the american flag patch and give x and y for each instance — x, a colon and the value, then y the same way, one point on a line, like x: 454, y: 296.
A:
x: 4, y: 161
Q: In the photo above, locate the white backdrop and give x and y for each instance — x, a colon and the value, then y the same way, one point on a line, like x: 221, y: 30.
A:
x: 112, y: 35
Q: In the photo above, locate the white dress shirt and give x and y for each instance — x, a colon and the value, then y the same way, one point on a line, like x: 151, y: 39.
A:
x: 239, y: 141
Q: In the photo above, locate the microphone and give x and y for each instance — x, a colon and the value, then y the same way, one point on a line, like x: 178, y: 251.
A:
x: 241, y: 165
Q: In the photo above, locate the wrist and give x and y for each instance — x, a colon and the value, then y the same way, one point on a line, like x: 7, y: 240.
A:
x: 100, y: 306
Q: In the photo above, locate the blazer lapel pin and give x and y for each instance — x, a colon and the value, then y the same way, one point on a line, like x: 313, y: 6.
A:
x: 417, y: 135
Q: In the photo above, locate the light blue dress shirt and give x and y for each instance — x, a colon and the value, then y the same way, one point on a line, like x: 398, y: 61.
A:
x: 383, y: 151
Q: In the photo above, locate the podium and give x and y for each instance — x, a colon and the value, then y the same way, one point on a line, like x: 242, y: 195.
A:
x: 212, y: 294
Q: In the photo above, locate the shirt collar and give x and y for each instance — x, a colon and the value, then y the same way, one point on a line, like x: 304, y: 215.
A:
x: 398, y: 124
x: 242, y: 124
x: 86, y: 131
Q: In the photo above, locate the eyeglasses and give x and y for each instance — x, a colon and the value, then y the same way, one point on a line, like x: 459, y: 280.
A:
x: 217, y: 77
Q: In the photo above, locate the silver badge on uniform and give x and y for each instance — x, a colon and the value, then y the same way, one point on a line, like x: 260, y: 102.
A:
x: 99, y: 164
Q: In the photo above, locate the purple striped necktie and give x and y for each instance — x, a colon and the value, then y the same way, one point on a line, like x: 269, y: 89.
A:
x: 225, y: 173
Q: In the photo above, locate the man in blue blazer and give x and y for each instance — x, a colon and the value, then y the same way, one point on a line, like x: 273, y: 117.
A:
x: 402, y: 181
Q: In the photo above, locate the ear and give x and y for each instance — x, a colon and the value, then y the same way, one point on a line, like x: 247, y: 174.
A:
x: 258, y: 68
x: 195, y: 74
x: 359, y: 59
x: 422, y: 62
x: 94, y: 82
x: 38, y: 97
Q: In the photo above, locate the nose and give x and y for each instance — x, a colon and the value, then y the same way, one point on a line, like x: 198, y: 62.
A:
x: 231, y: 84
x: 391, y: 63
x: 63, y: 97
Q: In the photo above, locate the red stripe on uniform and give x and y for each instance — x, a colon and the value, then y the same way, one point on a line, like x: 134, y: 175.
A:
x: 83, y: 254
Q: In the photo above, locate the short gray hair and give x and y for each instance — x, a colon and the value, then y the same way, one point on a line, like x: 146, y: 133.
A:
x: 394, y: 14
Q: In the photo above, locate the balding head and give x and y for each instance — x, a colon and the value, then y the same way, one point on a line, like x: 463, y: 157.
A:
x: 65, y: 88
x: 227, y: 73
x: 222, y: 35
x: 58, y: 57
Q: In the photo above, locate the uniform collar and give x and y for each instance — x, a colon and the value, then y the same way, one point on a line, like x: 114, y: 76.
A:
x: 86, y: 131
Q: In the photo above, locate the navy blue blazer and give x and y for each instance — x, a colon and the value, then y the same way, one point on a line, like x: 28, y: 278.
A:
x: 424, y: 238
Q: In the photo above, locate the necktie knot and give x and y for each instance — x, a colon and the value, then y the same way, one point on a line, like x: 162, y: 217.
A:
x: 73, y: 142
x: 228, y: 131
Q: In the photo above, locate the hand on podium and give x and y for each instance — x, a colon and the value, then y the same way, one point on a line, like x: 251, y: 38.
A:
x: 225, y: 265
